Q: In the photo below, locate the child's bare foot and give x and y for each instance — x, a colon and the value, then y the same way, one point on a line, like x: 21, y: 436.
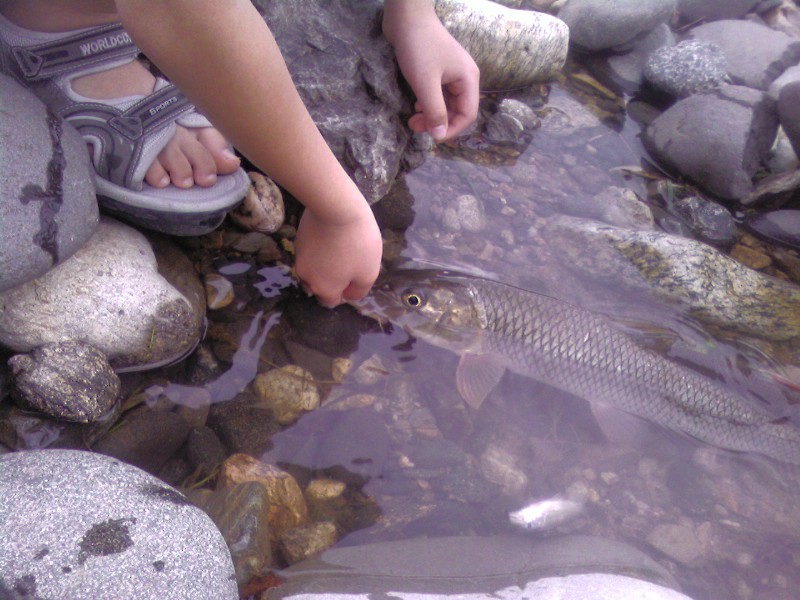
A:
x: 192, y: 157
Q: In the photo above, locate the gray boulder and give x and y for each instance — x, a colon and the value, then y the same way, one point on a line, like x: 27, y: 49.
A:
x: 110, y: 295
x: 346, y: 74
x: 717, y: 139
x: 83, y: 526
x: 687, y: 68
x: 48, y: 207
x: 712, y: 10
x: 603, y: 24
x: 756, y: 55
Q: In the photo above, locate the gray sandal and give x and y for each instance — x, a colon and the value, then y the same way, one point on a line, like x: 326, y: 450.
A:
x: 125, y: 134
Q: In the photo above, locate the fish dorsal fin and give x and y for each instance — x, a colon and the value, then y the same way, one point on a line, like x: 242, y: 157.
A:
x: 477, y: 375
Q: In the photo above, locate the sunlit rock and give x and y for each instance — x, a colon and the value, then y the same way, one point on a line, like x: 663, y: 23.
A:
x: 110, y: 295
x: 512, y: 48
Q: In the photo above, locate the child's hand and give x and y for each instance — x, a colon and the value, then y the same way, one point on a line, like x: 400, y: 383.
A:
x: 338, y: 261
x: 441, y: 72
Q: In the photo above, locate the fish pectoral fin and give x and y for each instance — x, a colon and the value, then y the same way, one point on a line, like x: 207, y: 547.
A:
x: 477, y: 375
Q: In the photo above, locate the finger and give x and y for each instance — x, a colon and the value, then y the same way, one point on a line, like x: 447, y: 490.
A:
x: 356, y: 291
x: 462, y: 101
x: 432, y: 106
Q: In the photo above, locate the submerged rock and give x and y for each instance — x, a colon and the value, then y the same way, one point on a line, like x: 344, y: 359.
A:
x: 512, y: 48
x: 69, y: 380
x: 109, y: 295
x: 709, y: 285
x: 692, y: 11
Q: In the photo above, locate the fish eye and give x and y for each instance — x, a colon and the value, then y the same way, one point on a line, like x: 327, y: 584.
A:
x: 413, y: 299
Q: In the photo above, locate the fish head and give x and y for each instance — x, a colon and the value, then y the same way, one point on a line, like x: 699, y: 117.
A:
x: 427, y: 304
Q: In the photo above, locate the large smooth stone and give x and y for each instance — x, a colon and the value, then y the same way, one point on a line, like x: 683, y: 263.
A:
x: 603, y: 24
x: 756, y: 55
x: 717, y: 139
x: 48, y: 207
x: 109, y: 295
x: 83, y: 526
x: 512, y: 48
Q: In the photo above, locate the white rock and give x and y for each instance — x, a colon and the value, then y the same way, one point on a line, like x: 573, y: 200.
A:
x: 512, y: 48
x: 109, y: 295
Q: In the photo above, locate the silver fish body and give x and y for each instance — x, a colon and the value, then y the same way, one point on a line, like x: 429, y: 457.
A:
x: 496, y: 327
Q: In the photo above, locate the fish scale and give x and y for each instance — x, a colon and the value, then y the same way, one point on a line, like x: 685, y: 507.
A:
x: 580, y: 352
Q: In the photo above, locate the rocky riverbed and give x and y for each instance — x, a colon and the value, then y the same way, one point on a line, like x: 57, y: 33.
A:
x: 297, y: 427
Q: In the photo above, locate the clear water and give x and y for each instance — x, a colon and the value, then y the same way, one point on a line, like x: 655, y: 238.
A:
x: 723, y: 524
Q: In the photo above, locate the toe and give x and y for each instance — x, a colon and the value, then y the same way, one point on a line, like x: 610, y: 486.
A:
x: 204, y: 168
x: 157, y: 175
x: 176, y: 163
x: 225, y: 160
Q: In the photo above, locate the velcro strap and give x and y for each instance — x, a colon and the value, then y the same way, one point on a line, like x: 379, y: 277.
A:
x: 96, y: 45
x: 163, y: 106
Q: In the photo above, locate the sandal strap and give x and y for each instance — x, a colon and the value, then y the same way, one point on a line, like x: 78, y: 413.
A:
x: 126, y: 136
x: 86, y: 48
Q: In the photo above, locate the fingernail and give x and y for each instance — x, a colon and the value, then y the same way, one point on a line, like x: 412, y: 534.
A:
x: 164, y: 181
x: 188, y: 182
x: 228, y: 154
x: 439, y: 132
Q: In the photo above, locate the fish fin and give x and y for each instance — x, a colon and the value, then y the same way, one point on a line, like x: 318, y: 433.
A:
x: 621, y: 427
x: 477, y: 375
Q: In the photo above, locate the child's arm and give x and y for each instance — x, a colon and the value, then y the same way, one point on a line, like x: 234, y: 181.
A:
x: 223, y: 56
x: 442, y: 74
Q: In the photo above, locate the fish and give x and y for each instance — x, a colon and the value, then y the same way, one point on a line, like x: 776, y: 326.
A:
x: 496, y: 327
x: 545, y: 514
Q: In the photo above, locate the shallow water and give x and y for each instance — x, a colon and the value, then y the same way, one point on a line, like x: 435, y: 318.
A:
x: 418, y: 462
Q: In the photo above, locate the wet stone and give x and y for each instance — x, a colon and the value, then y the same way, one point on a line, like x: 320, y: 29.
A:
x: 204, y: 452
x: 708, y: 220
x: 679, y: 542
x: 241, y: 513
x: 464, y: 213
x: 687, y: 68
x: 69, y: 380
x: 309, y: 540
x: 287, y: 507
x: 145, y: 438
x: 287, y: 392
